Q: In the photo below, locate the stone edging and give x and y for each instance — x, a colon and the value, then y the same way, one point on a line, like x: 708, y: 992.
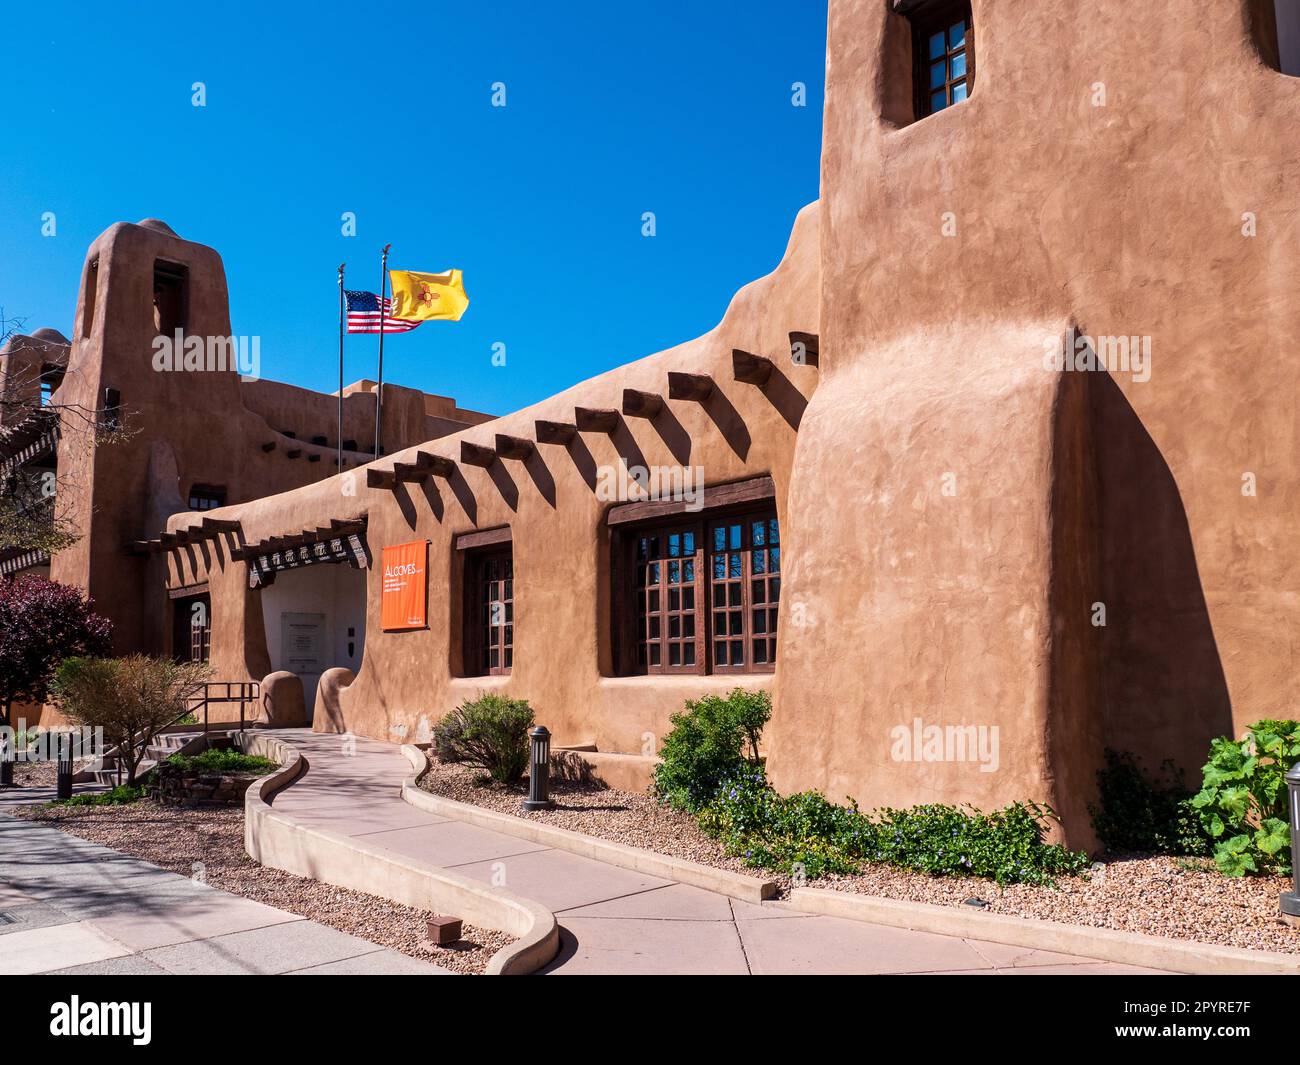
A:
x: 1105, y: 944
x: 278, y: 841
x: 722, y: 881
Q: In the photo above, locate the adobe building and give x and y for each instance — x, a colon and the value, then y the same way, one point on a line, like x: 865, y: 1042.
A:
x: 1004, y: 447
x: 190, y: 440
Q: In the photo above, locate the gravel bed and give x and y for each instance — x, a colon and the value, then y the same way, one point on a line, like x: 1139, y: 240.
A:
x: 1180, y: 898
x: 178, y: 838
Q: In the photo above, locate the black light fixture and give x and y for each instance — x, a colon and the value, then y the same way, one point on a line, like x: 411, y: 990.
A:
x: 539, y: 775
x: 1291, y: 899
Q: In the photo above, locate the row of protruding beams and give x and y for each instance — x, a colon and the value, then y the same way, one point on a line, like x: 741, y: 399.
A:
x: 747, y: 368
x: 336, y: 529
x: 207, y: 529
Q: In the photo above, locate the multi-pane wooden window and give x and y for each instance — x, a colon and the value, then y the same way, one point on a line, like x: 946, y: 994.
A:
x: 668, y: 635
x: 704, y: 595
x: 491, y: 645
x: 944, y: 62
x: 745, y: 581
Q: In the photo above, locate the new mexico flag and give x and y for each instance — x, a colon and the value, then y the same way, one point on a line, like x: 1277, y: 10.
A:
x: 425, y: 297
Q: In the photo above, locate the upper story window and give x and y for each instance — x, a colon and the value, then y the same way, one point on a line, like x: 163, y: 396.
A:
x: 699, y: 593
x: 51, y: 378
x: 943, y: 62
x: 205, y: 497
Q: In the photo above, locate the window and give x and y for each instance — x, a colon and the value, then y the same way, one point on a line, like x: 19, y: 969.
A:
x: 90, y: 289
x: 205, y: 497
x: 192, y: 628
x: 943, y: 64
x: 488, y: 621
x: 51, y: 378
x: 703, y: 595
x: 170, y: 297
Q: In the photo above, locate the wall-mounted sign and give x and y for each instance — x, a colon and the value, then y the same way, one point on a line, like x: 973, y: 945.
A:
x: 406, y: 586
x: 302, y: 642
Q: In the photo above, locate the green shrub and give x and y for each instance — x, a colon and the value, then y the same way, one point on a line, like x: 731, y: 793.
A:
x: 491, y: 733
x: 222, y: 760
x: 1243, y: 800
x: 1138, y: 814
x: 768, y: 830
x: 713, y: 740
x: 119, y: 796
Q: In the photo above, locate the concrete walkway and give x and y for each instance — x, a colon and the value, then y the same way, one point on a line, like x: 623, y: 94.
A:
x: 614, y: 920
x: 70, y: 906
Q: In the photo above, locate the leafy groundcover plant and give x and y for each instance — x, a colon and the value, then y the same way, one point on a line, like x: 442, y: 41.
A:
x: 710, y: 766
x: 768, y: 830
x: 1243, y: 800
x: 227, y: 761
x: 1138, y: 814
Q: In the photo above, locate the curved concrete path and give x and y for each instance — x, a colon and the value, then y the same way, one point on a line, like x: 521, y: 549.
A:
x: 614, y: 920
x: 71, y: 906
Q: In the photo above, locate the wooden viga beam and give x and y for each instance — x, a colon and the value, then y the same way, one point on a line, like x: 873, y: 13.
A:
x: 554, y: 432
x: 476, y: 454
x: 419, y: 470
x: 749, y: 368
x: 595, y: 419
x: 513, y: 447
x: 641, y: 404
x: 438, y: 465
x: 696, y: 386
x: 804, y: 350
x: 380, y: 479
x: 216, y: 526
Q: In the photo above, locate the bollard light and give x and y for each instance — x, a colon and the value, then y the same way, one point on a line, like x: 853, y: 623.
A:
x: 6, y: 762
x: 539, y: 775
x: 1291, y: 899
x: 63, y: 743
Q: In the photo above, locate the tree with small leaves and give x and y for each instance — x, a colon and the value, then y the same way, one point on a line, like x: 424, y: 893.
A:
x: 42, y: 622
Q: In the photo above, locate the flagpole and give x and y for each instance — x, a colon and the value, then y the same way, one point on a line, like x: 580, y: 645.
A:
x: 379, y: 387
x: 341, y: 317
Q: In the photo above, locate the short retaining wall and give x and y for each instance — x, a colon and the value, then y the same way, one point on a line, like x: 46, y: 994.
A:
x: 724, y: 882
x: 1105, y: 944
x: 172, y: 786
x: 278, y: 841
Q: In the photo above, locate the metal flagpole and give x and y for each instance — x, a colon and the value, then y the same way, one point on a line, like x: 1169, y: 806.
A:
x: 341, y: 317
x: 379, y: 387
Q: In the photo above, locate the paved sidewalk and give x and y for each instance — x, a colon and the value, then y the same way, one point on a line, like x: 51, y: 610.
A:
x: 70, y: 906
x: 614, y: 920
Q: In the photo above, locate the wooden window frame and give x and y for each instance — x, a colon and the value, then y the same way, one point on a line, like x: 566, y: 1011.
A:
x: 192, y: 643
x: 478, y: 640
x: 926, y: 22
x: 630, y: 598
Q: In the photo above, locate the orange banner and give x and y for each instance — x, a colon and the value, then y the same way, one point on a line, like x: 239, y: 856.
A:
x: 406, y: 586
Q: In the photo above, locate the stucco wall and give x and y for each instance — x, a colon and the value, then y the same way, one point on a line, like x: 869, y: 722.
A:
x: 560, y: 542
x: 1100, y: 174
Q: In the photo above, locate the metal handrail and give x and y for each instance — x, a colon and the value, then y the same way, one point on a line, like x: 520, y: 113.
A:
x: 234, y: 691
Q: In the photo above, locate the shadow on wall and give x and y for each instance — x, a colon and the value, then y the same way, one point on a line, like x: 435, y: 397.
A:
x: 1163, y: 688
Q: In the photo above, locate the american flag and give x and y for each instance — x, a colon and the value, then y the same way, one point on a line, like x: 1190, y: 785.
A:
x: 363, y: 315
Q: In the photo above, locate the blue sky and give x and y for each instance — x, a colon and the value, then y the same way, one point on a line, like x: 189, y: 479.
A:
x: 683, y: 109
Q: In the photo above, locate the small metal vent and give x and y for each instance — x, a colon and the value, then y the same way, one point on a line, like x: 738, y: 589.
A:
x: 7, y: 918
